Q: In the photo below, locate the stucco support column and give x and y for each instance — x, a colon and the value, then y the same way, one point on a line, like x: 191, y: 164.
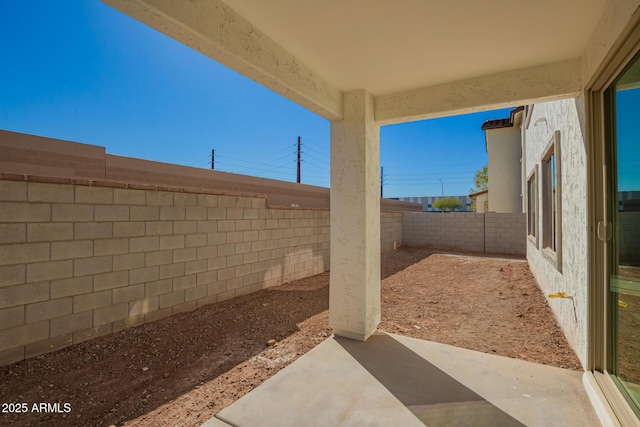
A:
x: 354, y: 290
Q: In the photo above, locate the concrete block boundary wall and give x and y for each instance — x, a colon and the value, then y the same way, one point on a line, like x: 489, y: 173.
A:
x: 91, y: 243
x: 83, y: 258
x: 103, y: 242
x: 490, y: 232
x: 25, y: 154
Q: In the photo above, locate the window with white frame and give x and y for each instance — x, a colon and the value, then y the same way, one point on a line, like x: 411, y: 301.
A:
x: 551, y: 200
x: 532, y: 203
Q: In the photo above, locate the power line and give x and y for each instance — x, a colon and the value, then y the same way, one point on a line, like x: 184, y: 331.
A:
x: 255, y: 163
x: 427, y: 179
x: 420, y: 166
x: 317, y: 159
x: 201, y: 160
x: 316, y: 175
x: 423, y: 184
x: 280, y: 166
x: 317, y: 168
x: 304, y: 138
x: 316, y: 151
x: 249, y: 167
x: 434, y: 173
x: 236, y: 153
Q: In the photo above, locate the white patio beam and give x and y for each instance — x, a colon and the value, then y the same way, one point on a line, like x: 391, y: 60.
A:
x: 535, y: 84
x: 354, y: 289
x: 214, y: 29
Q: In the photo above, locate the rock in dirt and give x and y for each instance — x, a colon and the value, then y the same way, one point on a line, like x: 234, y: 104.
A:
x: 271, y: 342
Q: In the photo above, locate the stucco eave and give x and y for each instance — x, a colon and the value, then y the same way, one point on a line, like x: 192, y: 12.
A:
x: 547, y: 82
x: 609, y: 34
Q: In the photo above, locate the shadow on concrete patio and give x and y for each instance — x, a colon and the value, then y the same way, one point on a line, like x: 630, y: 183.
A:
x: 434, y: 397
x: 394, y: 380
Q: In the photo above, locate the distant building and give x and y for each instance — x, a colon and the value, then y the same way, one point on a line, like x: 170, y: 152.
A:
x: 628, y: 201
x: 427, y: 202
x: 482, y: 200
x: 504, y: 148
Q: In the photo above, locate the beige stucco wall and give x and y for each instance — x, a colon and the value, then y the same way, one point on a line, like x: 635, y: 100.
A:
x: 504, y: 152
x: 571, y: 278
x: 481, y: 202
x: 354, y: 289
x: 615, y: 19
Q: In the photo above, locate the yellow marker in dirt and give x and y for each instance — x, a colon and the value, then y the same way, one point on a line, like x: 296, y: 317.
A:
x: 560, y: 295
x: 622, y: 304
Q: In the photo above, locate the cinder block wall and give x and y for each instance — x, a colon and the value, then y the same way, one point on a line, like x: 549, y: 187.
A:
x: 80, y: 259
x: 390, y: 230
x: 459, y: 231
x: 280, y: 193
x: 35, y: 155
x: 505, y: 233
x: 25, y: 154
x: 629, y: 238
x: 502, y: 233
x: 83, y: 259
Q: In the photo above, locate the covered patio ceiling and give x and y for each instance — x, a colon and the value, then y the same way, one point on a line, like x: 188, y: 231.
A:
x: 389, y: 47
x: 418, y: 58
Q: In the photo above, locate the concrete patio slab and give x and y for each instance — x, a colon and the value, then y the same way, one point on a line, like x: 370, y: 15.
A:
x: 392, y: 380
x: 214, y: 422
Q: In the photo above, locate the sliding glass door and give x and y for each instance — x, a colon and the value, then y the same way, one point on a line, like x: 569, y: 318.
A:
x: 622, y: 100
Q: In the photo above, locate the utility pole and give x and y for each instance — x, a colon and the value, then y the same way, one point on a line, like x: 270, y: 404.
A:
x: 213, y: 157
x: 441, y: 185
x: 298, y: 160
x: 381, y: 181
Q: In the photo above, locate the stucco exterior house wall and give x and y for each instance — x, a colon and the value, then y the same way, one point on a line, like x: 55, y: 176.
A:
x: 504, y: 152
x: 571, y: 275
x: 482, y: 202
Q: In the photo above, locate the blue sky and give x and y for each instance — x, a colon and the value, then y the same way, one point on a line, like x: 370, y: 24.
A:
x: 82, y: 71
x: 628, y: 149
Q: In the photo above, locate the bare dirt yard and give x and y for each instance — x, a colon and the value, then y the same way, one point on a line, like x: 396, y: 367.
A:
x: 182, y: 370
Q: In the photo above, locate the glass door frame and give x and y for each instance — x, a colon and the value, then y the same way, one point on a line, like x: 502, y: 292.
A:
x: 599, y: 221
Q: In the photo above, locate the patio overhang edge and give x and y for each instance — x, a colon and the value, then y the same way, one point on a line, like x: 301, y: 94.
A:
x: 546, y: 82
